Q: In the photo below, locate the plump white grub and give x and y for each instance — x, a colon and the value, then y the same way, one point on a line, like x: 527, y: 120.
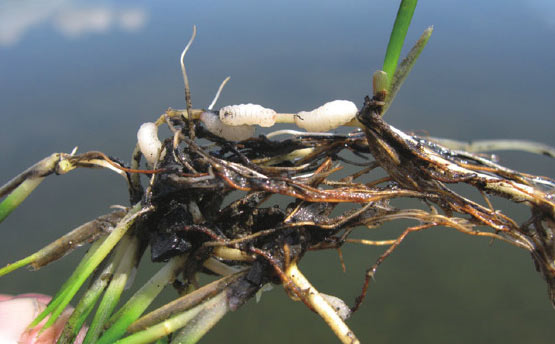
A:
x: 328, y: 116
x: 231, y: 133
x: 150, y: 145
x: 247, y: 114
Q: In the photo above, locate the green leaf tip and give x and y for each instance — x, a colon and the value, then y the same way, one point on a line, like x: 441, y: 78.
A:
x: 398, y: 34
x: 14, y: 199
x: 21, y: 186
x: 20, y: 263
x: 405, y: 67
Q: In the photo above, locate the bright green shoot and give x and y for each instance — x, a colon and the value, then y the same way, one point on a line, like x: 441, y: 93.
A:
x: 398, y: 34
x: 405, y: 67
x: 386, y: 83
x: 17, y: 189
x: 91, y: 260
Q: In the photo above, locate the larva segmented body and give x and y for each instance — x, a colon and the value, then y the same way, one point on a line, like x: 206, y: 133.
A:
x: 231, y: 133
x: 328, y: 116
x: 149, y: 144
x: 247, y: 114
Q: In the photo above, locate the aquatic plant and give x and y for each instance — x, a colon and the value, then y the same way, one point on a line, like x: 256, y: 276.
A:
x: 184, y: 213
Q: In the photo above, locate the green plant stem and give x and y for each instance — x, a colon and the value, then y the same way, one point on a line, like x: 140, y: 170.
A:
x: 14, y: 199
x: 126, y: 256
x: 86, y: 267
x: 85, y: 233
x: 183, y: 303
x: 138, y: 303
x: 16, y: 265
x: 397, y: 37
x: 380, y: 84
x: 405, y: 67
x: 86, y: 305
x: 24, y: 183
x: 197, y: 321
x: 57, y: 299
x: 209, y: 316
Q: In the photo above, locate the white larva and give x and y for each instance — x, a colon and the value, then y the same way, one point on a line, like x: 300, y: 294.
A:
x: 231, y: 133
x: 328, y: 116
x: 247, y: 114
x: 338, y: 305
x: 149, y: 144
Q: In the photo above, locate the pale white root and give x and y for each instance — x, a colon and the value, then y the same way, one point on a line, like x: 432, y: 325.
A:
x: 321, y: 305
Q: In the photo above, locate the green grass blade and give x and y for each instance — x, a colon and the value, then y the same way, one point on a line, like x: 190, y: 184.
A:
x: 139, y: 302
x: 87, y: 232
x: 86, y: 267
x: 184, y: 302
x: 406, y: 66
x: 14, y: 199
x: 19, y: 187
x: 86, y: 305
x: 208, y: 317
x: 57, y: 299
x: 195, y: 323
x: 126, y: 257
x: 397, y: 37
x: 20, y: 263
x: 159, y: 331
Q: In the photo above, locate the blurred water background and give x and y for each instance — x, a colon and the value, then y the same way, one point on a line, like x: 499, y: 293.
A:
x: 88, y: 73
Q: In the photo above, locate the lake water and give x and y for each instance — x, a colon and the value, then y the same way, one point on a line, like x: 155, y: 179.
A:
x: 87, y: 74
